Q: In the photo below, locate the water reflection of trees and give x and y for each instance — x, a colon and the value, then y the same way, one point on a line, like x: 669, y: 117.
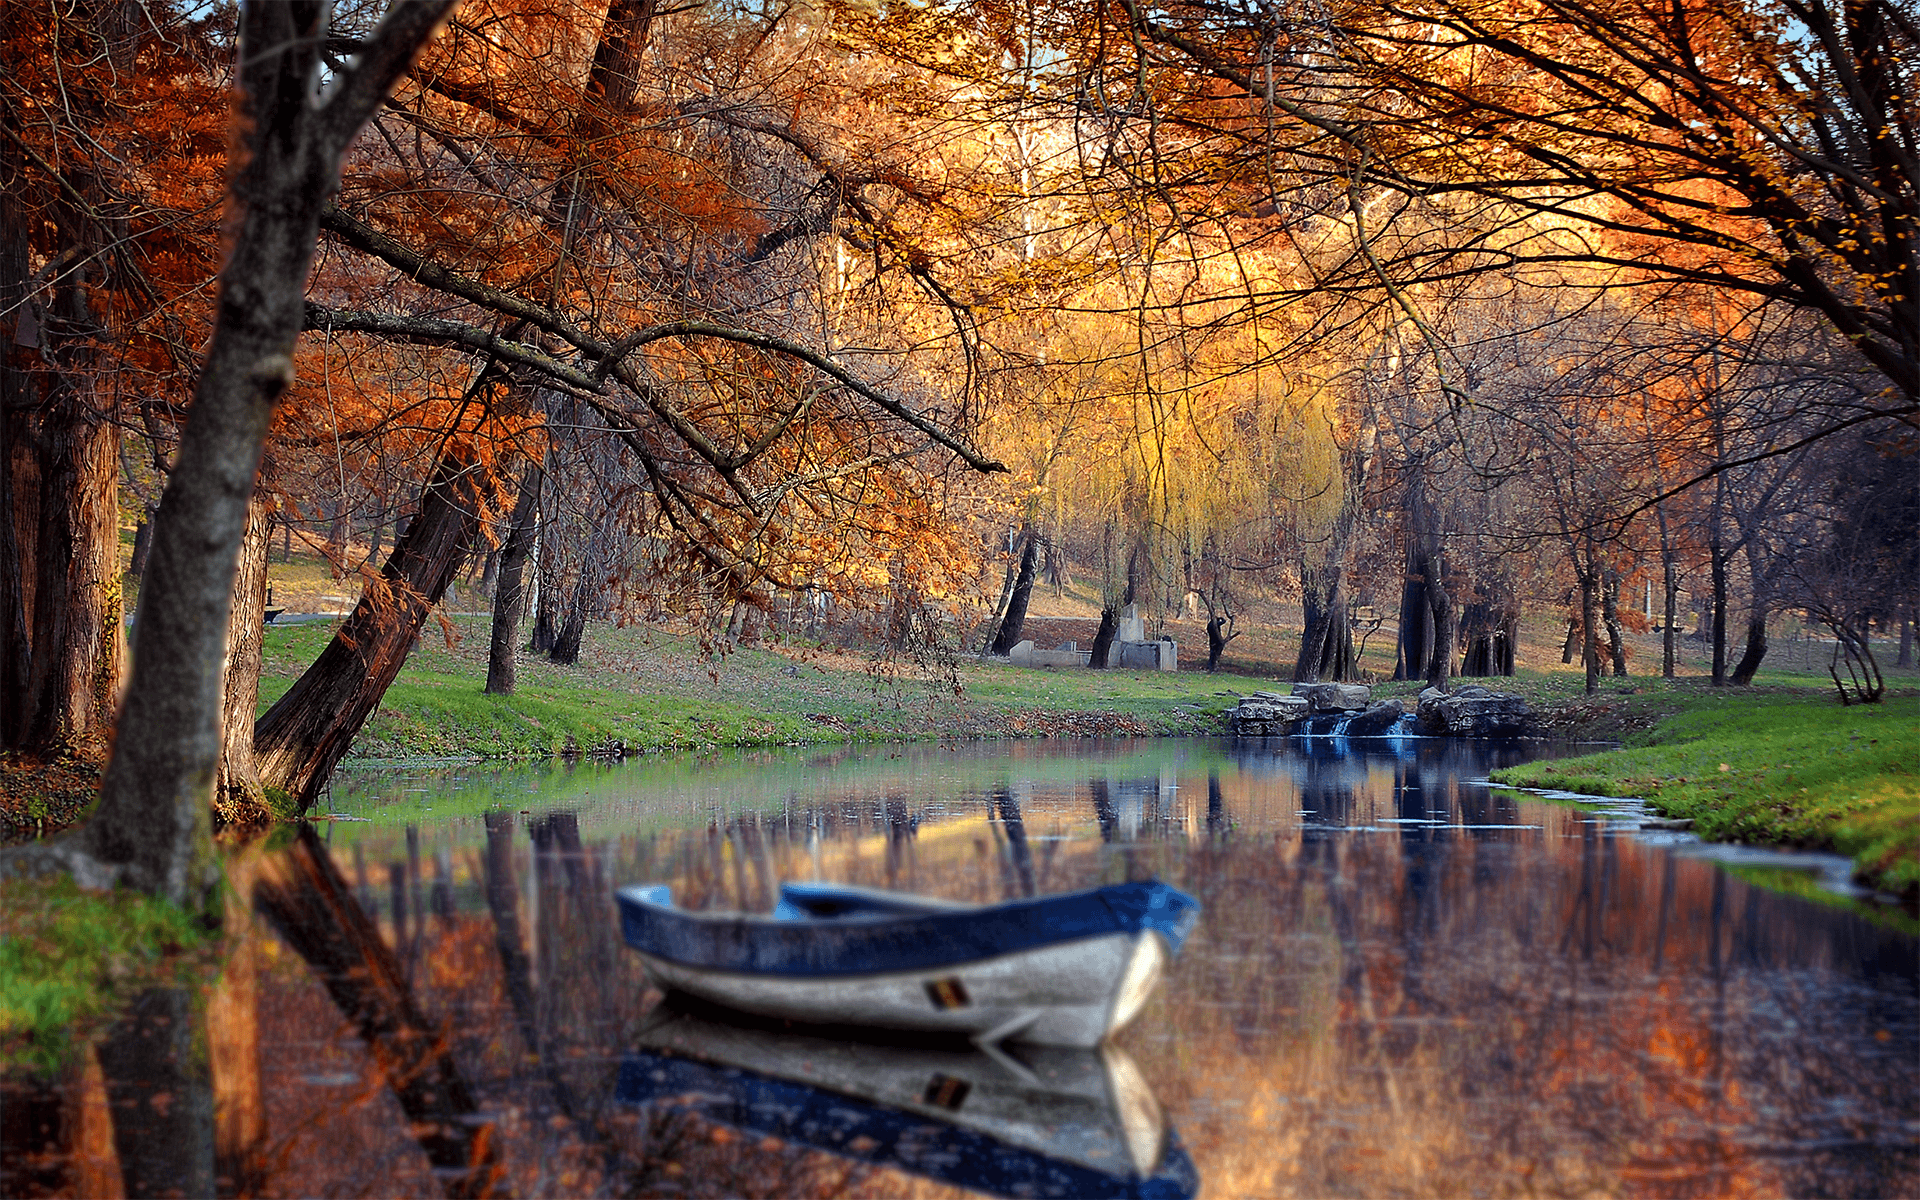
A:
x: 1468, y: 992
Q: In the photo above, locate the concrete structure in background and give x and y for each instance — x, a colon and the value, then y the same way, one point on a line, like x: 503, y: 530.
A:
x: 1066, y: 654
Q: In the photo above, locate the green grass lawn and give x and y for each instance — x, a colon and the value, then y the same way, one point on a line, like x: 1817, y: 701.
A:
x: 1784, y: 767
x: 644, y: 689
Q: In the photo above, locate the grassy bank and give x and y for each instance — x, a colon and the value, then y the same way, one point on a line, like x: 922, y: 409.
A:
x: 1782, y: 767
x: 642, y: 689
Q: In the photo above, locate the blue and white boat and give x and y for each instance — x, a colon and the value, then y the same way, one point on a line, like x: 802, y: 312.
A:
x: 1063, y: 970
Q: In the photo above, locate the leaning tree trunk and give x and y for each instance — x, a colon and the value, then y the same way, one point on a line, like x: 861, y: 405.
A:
x: 1755, y: 650
x: 300, y: 739
x: 152, y: 822
x: 509, y: 594
x: 239, y: 799
x: 1014, y: 623
x: 1757, y: 613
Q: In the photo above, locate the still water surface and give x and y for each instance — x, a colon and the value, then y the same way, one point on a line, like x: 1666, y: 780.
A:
x: 1403, y: 982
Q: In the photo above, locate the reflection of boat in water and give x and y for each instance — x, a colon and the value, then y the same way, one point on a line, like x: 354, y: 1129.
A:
x: 1053, y: 1121
x: 1055, y: 970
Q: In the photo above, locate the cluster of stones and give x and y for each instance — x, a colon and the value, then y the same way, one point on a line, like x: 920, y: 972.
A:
x: 1472, y: 711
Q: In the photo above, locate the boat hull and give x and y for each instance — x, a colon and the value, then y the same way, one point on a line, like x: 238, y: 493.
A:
x: 1068, y: 994
x: 1063, y: 970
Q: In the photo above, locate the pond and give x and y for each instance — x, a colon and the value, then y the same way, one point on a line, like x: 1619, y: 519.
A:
x: 1403, y: 981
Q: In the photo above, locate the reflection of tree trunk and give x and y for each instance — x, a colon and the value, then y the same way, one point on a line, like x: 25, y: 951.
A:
x: 1014, y: 623
x: 509, y: 593
x: 161, y: 1096
x: 503, y: 901
x: 233, y: 1045
x: 1007, y: 809
x: 298, y: 741
x: 309, y: 904
x: 239, y: 799
x: 1103, y: 812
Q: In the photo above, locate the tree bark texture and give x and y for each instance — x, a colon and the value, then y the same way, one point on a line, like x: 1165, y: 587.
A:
x: 1013, y: 624
x: 156, y: 797
x: 298, y: 742
x: 73, y: 679
x: 509, y: 594
x: 239, y: 798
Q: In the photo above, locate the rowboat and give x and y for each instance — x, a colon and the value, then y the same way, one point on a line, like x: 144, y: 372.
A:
x: 1062, y: 970
x: 1053, y: 1121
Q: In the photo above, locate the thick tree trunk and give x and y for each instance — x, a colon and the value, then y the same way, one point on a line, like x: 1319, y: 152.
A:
x: 142, y: 546
x: 1103, y: 637
x: 1217, y: 639
x: 239, y: 799
x: 19, y: 479
x: 509, y: 594
x: 161, y: 1095
x: 1446, y: 631
x: 300, y: 739
x: 1326, y: 636
x: 153, y: 818
x: 76, y: 635
x: 1573, y: 640
x: 546, y: 590
x: 1489, y: 628
x: 1717, y: 560
x: 1014, y: 623
x: 566, y: 642
x: 1756, y: 649
x: 1415, y: 639
x: 1610, y: 617
x: 1590, y: 624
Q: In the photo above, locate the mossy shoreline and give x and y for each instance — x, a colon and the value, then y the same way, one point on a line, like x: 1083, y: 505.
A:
x: 1787, y: 768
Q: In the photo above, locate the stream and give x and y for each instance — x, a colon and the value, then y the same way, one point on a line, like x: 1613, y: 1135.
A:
x: 1403, y: 981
